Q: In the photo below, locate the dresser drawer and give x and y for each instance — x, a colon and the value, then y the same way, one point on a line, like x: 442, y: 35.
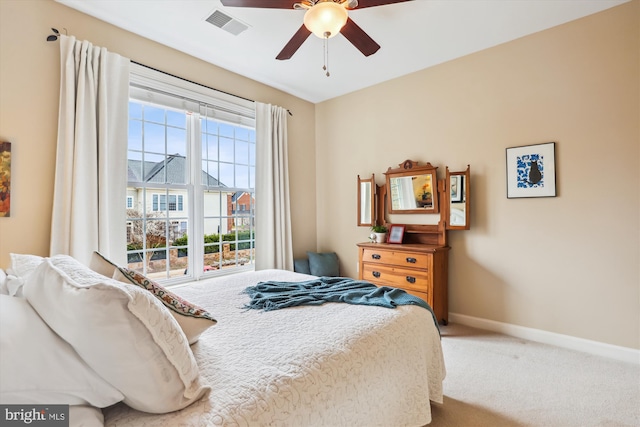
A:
x: 420, y: 269
x: 396, y: 277
x: 399, y: 258
x: 425, y: 296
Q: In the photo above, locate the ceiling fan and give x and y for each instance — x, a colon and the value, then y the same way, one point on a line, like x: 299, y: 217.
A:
x: 324, y: 18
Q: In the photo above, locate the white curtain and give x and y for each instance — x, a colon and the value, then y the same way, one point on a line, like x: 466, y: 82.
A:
x: 91, y: 167
x: 273, y: 218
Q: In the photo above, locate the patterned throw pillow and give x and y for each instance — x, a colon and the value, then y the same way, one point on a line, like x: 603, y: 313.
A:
x: 192, y: 319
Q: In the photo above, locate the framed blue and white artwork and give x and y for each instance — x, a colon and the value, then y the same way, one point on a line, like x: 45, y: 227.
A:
x: 531, y: 171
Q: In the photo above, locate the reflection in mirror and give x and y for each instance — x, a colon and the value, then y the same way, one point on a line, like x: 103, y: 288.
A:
x: 365, y: 197
x: 458, y: 197
x: 457, y: 216
x: 411, y: 192
x: 412, y: 188
x: 366, y: 201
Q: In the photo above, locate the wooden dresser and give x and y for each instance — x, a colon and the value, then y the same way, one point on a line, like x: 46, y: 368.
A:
x: 420, y: 263
x: 419, y: 269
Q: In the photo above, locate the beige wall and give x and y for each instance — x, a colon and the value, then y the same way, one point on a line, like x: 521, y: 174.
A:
x: 567, y: 264
x: 29, y: 82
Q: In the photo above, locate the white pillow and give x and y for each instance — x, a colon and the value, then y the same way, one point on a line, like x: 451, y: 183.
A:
x: 123, y: 332
x: 101, y: 264
x: 3, y: 283
x: 22, y: 265
x: 193, y: 319
x: 39, y: 367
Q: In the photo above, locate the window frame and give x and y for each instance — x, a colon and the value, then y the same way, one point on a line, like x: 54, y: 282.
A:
x: 157, y: 88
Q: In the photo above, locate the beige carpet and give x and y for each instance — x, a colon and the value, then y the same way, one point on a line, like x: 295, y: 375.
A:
x: 496, y: 380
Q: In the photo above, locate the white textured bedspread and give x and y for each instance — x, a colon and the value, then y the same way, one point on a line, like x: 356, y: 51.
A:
x: 331, y: 365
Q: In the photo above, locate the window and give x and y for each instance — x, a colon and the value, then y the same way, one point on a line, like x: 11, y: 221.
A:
x: 190, y: 156
x: 159, y: 203
x: 129, y: 202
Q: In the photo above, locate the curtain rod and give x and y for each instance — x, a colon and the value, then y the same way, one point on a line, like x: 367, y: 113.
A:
x: 54, y: 37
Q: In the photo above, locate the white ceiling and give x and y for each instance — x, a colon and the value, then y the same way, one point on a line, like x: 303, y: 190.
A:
x: 413, y: 35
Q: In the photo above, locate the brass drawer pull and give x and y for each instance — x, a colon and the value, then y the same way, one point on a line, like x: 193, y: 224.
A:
x: 376, y: 274
x: 375, y: 256
x: 412, y: 260
x: 411, y: 279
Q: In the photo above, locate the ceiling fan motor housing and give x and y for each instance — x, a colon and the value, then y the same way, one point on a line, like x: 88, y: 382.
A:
x: 325, y: 19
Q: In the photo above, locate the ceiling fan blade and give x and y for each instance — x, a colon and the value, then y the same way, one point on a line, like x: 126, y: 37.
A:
x: 263, y: 4
x: 294, y: 44
x: 359, y: 38
x: 374, y: 3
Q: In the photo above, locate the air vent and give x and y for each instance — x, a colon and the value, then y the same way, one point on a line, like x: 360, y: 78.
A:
x: 226, y: 22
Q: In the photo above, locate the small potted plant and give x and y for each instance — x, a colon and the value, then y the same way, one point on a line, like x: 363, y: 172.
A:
x: 380, y: 233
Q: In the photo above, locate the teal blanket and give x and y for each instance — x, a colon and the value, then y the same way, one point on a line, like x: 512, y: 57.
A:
x: 273, y: 295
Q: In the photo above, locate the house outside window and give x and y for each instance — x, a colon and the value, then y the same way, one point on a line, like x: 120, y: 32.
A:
x: 183, y: 221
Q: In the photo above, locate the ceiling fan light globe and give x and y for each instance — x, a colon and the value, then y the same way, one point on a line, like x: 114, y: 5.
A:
x: 325, y: 18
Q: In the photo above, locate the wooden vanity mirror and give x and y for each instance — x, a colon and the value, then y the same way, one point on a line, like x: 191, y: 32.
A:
x: 416, y: 260
x: 412, y: 188
x: 366, y: 201
x: 458, y: 198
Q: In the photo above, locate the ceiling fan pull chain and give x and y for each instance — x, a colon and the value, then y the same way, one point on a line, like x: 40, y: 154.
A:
x: 325, y: 67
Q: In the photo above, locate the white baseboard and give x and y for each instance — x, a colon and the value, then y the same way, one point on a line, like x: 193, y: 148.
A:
x: 624, y: 354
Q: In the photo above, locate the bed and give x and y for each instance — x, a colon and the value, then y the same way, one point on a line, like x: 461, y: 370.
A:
x: 334, y: 364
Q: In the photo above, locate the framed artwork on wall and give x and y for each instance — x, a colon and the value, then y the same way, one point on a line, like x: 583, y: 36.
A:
x: 396, y: 233
x: 531, y: 171
x: 5, y: 179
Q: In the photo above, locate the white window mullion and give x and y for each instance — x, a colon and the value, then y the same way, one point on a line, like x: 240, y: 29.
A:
x: 143, y: 253
x: 196, y: 238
